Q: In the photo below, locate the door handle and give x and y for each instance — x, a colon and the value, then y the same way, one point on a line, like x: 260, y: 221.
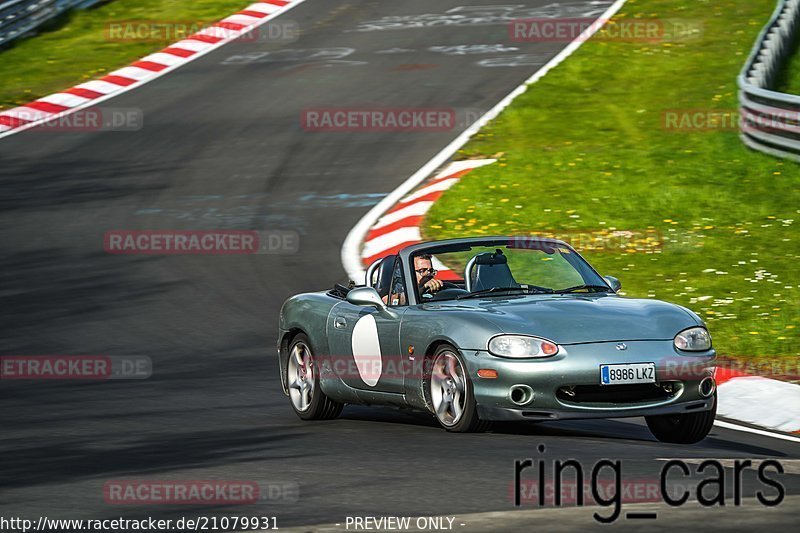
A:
x: 339, y: 322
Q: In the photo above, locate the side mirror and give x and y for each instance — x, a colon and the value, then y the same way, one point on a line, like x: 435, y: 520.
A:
x: 616, y: 285
x: 365, y: 296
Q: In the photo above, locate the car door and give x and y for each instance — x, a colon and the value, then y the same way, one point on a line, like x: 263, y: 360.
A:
x: 365, y: 343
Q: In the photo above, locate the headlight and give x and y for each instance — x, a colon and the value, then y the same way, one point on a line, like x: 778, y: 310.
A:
x: 693, y: 340
x: 521, y: 346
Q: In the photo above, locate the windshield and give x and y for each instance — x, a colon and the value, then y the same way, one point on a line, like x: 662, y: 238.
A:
x: 499, y: 270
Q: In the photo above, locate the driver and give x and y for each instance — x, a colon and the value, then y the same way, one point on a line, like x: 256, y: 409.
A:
x: 426, y: 281
x: 426, y: 275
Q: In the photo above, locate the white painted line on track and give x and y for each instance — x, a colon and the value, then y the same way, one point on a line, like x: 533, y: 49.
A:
x: 762, y: 432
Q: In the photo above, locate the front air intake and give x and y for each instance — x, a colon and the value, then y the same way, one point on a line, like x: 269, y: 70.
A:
x: 520, y: 395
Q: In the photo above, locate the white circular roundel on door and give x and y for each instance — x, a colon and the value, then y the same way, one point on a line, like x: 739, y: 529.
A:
x: 367, y: 350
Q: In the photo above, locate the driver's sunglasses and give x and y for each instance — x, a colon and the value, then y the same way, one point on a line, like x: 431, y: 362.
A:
x: 423, y: 271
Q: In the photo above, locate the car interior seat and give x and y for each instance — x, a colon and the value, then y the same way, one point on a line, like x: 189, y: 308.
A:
x: 383, y: 275
x: 489, y: 269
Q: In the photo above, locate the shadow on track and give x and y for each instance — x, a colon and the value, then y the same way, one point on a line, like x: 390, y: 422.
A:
x: 595, y: 429
x: 59, y: 460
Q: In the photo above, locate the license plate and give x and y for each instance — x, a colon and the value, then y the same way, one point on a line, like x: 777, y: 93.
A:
x: 626, y: 374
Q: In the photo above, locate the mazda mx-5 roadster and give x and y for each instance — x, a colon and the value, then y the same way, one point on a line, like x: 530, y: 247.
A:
x: 475, y: 330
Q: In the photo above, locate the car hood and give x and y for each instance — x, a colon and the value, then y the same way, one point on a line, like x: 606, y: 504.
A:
x: 574, y: 319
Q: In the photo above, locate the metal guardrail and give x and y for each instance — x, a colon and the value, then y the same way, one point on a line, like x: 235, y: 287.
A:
x: 770, y: 120
x: 22, y: 17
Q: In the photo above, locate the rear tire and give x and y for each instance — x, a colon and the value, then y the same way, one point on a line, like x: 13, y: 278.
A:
x: 448, y: 389
x: 302, y: 378
x: 683, y: 429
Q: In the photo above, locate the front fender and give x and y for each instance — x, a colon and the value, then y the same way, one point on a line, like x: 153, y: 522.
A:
x: 426, y: 329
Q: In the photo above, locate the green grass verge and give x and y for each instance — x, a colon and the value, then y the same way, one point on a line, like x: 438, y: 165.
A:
x: 77, y: 47
x: 586, y: 149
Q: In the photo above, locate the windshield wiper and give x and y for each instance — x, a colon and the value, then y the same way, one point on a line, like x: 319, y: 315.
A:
x: 528, y: 289
x: 598, y: 288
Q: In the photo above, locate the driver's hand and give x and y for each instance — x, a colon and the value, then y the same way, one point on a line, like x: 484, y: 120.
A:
x: 433, y: 285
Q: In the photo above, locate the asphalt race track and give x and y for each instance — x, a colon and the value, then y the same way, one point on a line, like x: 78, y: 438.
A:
x: 222, y: 147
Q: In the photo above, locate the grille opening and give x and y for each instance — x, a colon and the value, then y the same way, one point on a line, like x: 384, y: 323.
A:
x: 693, y: 406
x: 615, y: 394
x: 537, y: 414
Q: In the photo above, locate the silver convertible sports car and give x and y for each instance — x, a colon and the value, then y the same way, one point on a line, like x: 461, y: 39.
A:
x: 474, y: 330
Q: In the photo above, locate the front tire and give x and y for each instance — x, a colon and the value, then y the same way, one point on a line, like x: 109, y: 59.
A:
x: 302, y: 376
x: 450, y: 393
x: 682, y: 429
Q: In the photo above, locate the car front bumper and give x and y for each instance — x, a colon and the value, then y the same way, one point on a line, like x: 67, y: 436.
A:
x: 567, y: 385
